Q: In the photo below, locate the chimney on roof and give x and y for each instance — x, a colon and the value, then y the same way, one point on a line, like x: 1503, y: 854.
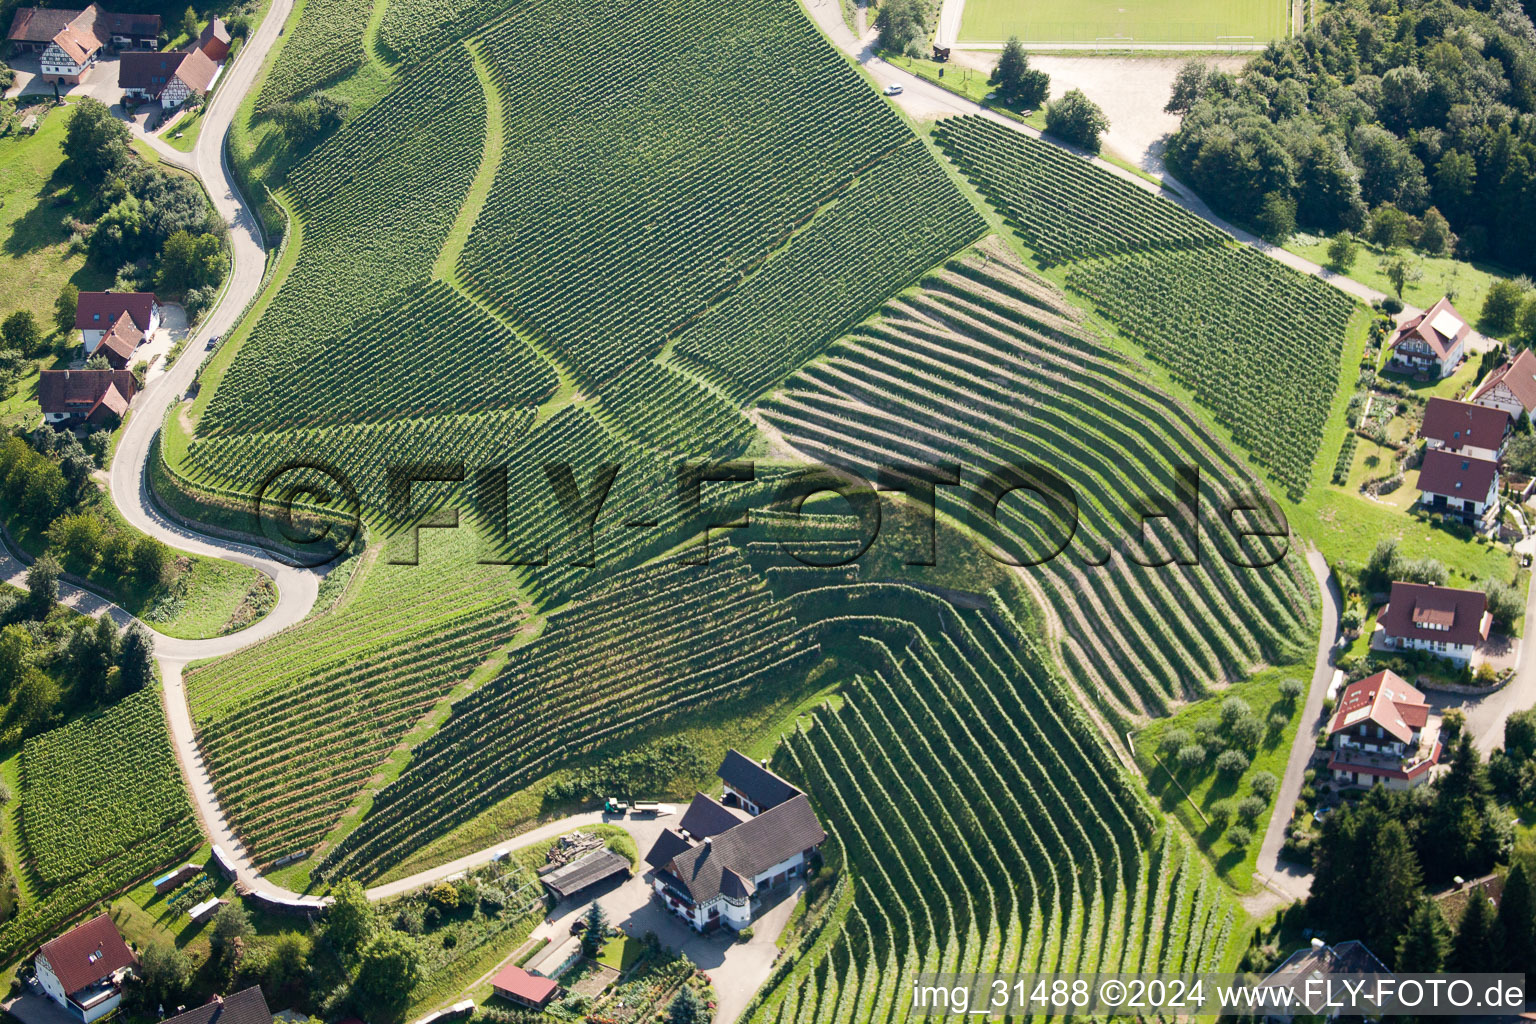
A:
x: 1318, y: 944
x: 709, y: 840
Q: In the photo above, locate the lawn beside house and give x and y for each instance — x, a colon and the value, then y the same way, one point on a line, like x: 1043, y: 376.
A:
x: 1466, y: 282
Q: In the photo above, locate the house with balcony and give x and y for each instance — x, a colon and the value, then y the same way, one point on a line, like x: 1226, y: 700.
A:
x: 712, y: 868
x: 1383, y: 733
x: 1462, y: 428
x: 1432, y: 343
x: 83, y: 970
x: 1445, y: 621
x: 1462, y: 487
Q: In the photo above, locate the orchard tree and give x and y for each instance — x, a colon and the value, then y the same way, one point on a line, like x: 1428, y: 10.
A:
x: 64, y: 308
x: 21, y: 332
x: 1343, y: 250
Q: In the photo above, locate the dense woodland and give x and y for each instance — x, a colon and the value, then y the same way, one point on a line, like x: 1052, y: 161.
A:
x: 1427, y: 107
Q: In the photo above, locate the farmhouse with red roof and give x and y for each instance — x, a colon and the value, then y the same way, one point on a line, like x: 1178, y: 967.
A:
x: 1460, y: 486
x: 70, y: 41
x: 97, y: 312
x: 1512, y: 387
x: 1462, y: 428
x: 94, y: 397
x: 516, y: 985
x: 1443, y: 620
x: 1383, y: 732
x: 1434, y: 342
x: 83, y: 969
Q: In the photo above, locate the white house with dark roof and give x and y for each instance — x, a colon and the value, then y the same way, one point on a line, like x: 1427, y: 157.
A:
x: 1462, y: 486
x: 710, y: 868
x: 1442, y: 620
x: 1434, y: 342
x: 1463, y: 428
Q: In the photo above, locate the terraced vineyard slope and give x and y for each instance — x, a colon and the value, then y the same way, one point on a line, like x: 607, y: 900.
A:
x: 962, y: 732
x: 1256, y: 342
x: 650, y: 643
x: 989, y: 365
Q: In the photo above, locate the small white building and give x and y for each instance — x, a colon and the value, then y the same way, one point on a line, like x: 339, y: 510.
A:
x: 83, y: 969
x: 1442, y: 620
x: 710, y: 869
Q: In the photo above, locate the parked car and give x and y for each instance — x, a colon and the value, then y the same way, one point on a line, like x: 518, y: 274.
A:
x: 213, y: 341
x: 893, y: 89
x: 578, y: 926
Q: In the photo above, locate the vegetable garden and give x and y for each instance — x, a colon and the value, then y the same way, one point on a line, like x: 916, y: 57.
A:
x: 1256, y: 342
x: 102, y: 806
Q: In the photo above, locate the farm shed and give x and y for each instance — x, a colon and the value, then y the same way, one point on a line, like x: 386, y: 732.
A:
x: 206, y: 909
x: 175, y: 879
x: 566, y: 881
x: 516, y: 985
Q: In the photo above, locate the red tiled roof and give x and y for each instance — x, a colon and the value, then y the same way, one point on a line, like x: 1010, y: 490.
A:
x: 1416, y: 607
x: 78, y: 46
x: 1429, y: 326
x: 81, y: 392
x: 141, y: 25
x: 1519, y: 376
x: 1457, y: 476
x: 1455, y: 424
x: 96, y: 310
x: 1340, y: 759
x: 1383, y: 699
x: 120, y: 342
x: 197, y: 71
x: 84, y: 955
x: 518, y: 982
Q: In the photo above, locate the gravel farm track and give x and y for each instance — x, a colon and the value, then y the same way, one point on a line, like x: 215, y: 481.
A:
x: 297, y: 588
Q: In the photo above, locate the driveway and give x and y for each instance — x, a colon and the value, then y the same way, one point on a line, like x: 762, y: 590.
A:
x: 1286, y: 880
x: 30, y: 1008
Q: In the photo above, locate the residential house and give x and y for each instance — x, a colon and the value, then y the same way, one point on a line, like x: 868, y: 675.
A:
x: 70, y: 41
x: 1443, y: 620
x: 1462, y: 428
x: 170, y: 78
x: 516, y: 985
x: 96, y: 313
x: 98, y: 398
x: 1318, y: 963
x: 1461, y: 486
x: 248, y: 1006
x: 712, y: 867
x: 83, y: 969
x: 1434, y: 342
x: 1512, y: 387
x: 1382, y: 732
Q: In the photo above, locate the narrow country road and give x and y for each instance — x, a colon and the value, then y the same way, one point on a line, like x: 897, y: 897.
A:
x: 921, y: 98
x: 1289, y: 880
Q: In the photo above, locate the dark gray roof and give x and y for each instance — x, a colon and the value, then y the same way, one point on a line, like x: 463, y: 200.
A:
x: 707, y: 817
x: 759, y: 784
x: 668, y: 845
x: 749, y: 849
x: 247, y: 1006
x: 589, y: 870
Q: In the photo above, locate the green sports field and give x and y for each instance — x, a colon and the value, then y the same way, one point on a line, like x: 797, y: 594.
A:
x: 1142, y: 21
